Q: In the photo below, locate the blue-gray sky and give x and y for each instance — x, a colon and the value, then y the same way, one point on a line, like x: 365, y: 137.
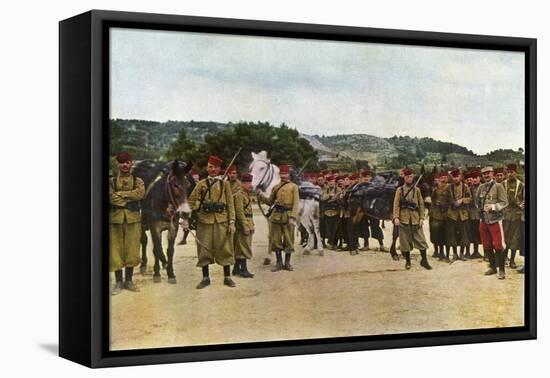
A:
x: 474, y: 98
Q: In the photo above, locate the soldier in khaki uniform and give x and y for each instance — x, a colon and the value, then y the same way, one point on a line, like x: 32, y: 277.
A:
x: 474, y: 217
x: 330, y: 210
x: 125, y: 192
x: 245, y: 227
x: 284, y: 200
x: 499, y: 175
x: 213, y: 199
x: 441, y: 200
x: 408, y: 215
x: 457, y: 225
x: 512, y: 214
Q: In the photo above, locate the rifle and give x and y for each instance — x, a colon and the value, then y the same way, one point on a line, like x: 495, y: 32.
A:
x: 231, y: 162
x: 303, y: 167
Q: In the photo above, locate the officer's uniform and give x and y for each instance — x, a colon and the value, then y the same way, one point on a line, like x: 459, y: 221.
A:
x: 125, y: 192
x: 217, y: 210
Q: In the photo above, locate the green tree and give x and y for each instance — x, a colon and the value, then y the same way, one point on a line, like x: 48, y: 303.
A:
x: 183, y: 148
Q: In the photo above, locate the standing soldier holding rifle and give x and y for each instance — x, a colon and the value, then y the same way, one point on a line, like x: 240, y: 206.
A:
x: 213, y: 199
x: 284, y: 202
x: 408, y: 215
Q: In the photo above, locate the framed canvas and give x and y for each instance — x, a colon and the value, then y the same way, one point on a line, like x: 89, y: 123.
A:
x: 235, y: 188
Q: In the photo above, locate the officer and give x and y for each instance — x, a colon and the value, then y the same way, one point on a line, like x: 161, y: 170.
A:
x: 512, y: 214
x: 329, y: 204
x: 441, y: 200
x: 245, y: 227
x: 491, y: 200
x: 213, y: 200
x: 408, y: 215
x: 473, y: 217
x: 457, y: 214
x: 284, y: 200
x: 125, y: 192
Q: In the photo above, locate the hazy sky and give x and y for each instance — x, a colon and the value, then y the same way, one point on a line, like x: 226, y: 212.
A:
x: 474, y: 98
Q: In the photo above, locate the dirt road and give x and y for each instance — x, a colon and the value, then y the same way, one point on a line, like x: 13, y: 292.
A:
x: 330, y: 296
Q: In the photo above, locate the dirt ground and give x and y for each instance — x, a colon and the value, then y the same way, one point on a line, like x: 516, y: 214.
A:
x: 329, y: 296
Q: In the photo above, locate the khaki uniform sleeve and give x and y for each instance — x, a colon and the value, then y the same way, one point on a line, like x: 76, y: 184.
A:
x: 135, y: 194
x: 229, y: 201
x: 114, y: 198
x: 295, y: 202
x: 396, y: 200
x: 239, y: 208
x: 421, y: 207
x: 195, y: 196
x: 502, y: 198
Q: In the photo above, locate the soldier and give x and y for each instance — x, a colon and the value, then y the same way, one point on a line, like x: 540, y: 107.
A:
x: 321, y: 181
x: 513, y: 213
x: 285, y: 201
x: 125, y: 192
x: 234, y: 182
x: 441, y: 200
x: 408, y: 215
x: 213, y: 200
x: 457, y: 214
x: 491, y: 200
x: 245, y: 227
x: 499, y: 175
x: 330, y: 209
x: 521, y: 269
x: 473, y: 217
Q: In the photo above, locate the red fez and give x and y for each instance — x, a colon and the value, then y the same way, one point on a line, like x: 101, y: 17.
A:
x: 366, y: 173
x: 319, y: 175
x: 338, y: 178
x: 233, y: 168
x: 499, y: 170
x: 512, y: 167
x: 246, y: 177
x: 354, y: 176
x: 455, y: 173
x: 123, y: 157
x: 467, y: 175
x: 331, y: 178
x: 474, y: 174
x: 284, y: 168
x: 407, y: 171
x: 214, y: 160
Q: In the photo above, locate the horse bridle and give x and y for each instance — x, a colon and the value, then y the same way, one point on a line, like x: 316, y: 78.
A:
x: 261, y: 184
x: 171, y: 180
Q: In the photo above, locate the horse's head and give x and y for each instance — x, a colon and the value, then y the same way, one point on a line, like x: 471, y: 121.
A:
x: 179, y: 185
x: 264, y: 174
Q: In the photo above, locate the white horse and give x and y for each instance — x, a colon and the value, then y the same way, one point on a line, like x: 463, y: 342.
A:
x: 265, y: 176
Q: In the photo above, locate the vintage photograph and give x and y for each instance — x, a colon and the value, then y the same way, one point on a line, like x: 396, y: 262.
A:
x: 267, y: 189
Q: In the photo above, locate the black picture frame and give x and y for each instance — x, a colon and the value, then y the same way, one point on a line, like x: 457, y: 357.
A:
x: 83, y: 141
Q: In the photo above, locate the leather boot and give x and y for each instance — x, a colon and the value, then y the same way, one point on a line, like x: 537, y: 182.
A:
x: 424, y: 262
x: 244, y: 270
x: 501, y: 259
x: 279, y: 264
x: 287, y: 262
x: 467, y: 255
x: 436, y: 252
x: 237, y: 267
x: 407, y: 256
x: 492, y: 263
x: 513, y: 259
x: 205, y: 278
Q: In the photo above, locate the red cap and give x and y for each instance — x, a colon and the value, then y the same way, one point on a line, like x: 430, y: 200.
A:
x: 354, y: 176
x: 246, y: 177
x: 467, y: 175
x: 331, y: 178
x: 284, y: 168
x: 214, y: 160
x: 499, y: 170
x: 512, y: 167
x: 319, y: 175
x: 233, y: 168
x: 123, y: 157
x: 474, y: 174
x: 407, y: 171
x: 455, y: 172
x: 338, y: 177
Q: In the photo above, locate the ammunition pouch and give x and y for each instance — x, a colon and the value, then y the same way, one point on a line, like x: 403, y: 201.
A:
x: 404, y: 204
x: 213, y: 207
x: 280, y: 208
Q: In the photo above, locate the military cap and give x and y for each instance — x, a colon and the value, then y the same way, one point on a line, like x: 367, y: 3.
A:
x: 354, y: 176
x: 246, y: 177
x: 474, y: 174
x: 331, y: 178
x: 123, y: 157
x: 284, y: 168
x: 214, y: 160
x: 487, y: 169
x: 499, y: 170
x: 455, y: 172
x: 512, y: 167
x: 407, y: 171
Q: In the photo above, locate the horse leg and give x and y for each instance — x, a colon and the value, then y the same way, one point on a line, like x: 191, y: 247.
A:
x: 143, y: 265
x: 172, y: 234
x: 393, y: 248
x: 157, y: 251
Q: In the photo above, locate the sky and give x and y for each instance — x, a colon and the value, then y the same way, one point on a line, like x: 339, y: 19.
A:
x: 474, y: 98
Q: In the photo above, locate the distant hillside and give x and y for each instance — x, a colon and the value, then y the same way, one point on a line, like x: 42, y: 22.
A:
x: 149, y: 139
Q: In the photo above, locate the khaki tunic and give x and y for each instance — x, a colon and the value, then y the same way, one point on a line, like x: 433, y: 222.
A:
x: 124, y: 224
x: 441, y: 199
x: 281, y: 232
x: 411, y: 235
x: 215, y: 243
x: 330, y: 196
x: 512, y: 222
x: 460, y: 191
x: 244, y: 222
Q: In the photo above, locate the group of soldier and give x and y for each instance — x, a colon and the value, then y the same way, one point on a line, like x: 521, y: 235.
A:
x: 470, y: 210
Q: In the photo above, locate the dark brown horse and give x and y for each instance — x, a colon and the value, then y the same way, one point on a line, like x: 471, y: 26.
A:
x: 164, y: 205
